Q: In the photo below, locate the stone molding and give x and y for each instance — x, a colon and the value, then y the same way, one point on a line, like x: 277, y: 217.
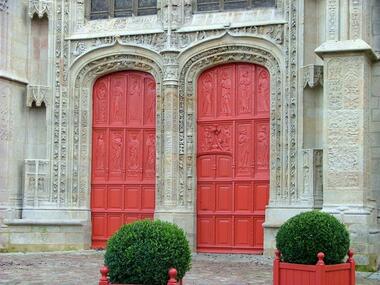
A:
x: 38, y: 94
x: 40, y: 8
x: 312, y: 75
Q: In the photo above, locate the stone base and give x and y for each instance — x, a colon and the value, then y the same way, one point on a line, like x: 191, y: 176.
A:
x: 364, y: 233
x: 274, y: 218
x: 184, y: 219
x: 56, y: 214
x: 50, y: 235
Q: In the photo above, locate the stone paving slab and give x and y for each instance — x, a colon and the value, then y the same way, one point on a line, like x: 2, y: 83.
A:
x: 82, y: 268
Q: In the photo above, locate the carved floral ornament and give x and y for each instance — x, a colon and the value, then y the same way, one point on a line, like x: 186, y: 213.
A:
x: 312, y: 75
x: 39, y: 7
x: 3, y: 5
x: 81, y: 102
x: 37, y: 94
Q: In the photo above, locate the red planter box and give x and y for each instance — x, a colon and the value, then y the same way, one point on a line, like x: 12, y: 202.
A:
x: 319, y: 274
x: 105, y: 281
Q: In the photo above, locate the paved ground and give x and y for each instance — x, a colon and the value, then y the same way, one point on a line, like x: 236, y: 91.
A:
x: 77, y: 268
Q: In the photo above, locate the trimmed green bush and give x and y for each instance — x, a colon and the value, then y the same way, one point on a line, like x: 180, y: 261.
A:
x: 303, y: 236
x: 144, y: 251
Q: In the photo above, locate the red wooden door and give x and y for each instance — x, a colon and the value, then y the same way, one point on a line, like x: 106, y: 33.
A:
x: 232, y: 158
x: 123, y: 152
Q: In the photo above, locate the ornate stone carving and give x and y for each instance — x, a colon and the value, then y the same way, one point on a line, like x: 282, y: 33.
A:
x: 37, y: 94
x: 36, y: 183
x: 3, y: 5
x: 356, y: 22
x: 170, y: 66
x: 40, y: 8
x: 178, y: 40
x: 312, y: 75
x: 312, y: 191
x: 154, y: 41
x: 344, y: 121
x: 332, y: 20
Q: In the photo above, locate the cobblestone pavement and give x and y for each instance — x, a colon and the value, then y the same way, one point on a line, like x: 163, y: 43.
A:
x: 77, y: 268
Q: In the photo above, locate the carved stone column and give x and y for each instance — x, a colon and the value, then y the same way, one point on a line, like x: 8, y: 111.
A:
x: 168, y: 206
x: 346, y: 188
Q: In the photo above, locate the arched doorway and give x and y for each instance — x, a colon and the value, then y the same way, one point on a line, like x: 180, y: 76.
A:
x: 233, y: 104
x: 123, y: 152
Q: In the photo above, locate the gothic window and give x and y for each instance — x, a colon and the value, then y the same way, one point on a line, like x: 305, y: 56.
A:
x: 103, y: 9
x: 224, y: 5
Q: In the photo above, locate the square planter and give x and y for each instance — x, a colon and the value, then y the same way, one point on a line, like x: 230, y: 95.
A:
x: 319, y: 274
x: 172, y: 273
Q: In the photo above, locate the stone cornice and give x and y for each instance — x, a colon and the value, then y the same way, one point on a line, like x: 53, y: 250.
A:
x: 347, y: 46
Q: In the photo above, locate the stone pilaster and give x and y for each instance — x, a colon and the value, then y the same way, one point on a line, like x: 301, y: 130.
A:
x: 347, y: 193
x: 168, y: 206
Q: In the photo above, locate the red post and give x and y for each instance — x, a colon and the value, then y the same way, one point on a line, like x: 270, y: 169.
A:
x: 276, y: 268
x: 103, y: 279
x: 352, y: 267
x: 320, y: 269
x: 172, y: 277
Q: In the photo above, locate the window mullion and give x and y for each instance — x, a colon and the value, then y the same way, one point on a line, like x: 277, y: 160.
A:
x: 221, y: 5
x: 135, y: 6
x: 111, y: 8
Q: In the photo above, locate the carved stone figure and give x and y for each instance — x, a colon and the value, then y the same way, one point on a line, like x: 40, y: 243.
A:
x: 244, y: 83
x: 117, y: 149
x: 243, y: 148
x: 101, y: 103
x: 226, y: 85
x: 207, y: 94
x: 262, y: 148
x: 133, y: 153
x: 100, y: 152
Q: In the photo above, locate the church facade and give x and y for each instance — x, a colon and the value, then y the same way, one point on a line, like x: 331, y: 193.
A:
x: 226, y: 117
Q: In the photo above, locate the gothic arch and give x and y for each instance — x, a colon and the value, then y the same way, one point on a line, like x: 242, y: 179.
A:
x: 193, y: 62
x: 84, y: 72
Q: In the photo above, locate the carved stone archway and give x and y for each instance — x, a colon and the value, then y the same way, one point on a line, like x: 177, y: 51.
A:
x: 193, y: 66
x: 85, y: 72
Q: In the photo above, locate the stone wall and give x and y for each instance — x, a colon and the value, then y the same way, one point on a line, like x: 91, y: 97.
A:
x: 322, y: 115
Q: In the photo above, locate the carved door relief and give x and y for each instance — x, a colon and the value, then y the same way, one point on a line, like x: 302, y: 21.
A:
x: 232, y: 157
x: 123, y: 152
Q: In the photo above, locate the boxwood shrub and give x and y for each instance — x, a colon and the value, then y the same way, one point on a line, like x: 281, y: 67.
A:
x: 303, y: 236
x: 144, y: 251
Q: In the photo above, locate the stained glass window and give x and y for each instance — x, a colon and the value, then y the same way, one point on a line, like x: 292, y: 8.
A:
x: 101, y: 9
x: 223, y: 5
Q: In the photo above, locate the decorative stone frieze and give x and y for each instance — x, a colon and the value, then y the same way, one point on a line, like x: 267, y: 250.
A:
x: 36, y: 183
x: 312, y: 75
x: 38, y: 94
x: 178, y: 40
x: 40, y: 8
x: 332, y: 25
x: 312, y: 191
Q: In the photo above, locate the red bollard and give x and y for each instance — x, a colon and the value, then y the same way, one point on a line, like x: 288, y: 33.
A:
x: 352, y: 262
x: 172, y: 276
x: 103, y: 279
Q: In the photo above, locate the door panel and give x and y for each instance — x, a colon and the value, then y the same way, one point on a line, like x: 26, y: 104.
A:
x: 232, y: 157
x: 123, y: 152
